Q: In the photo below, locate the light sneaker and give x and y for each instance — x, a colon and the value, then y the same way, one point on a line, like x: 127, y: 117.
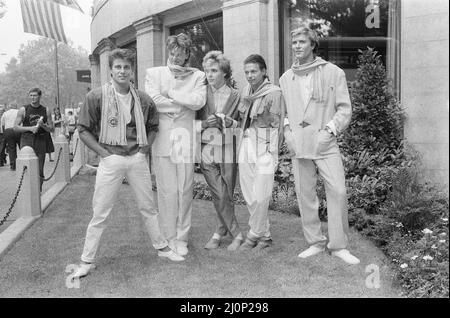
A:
x: 235, y: 244
x: 83, y: 270
x: 346, y: 256
x: 312, y: 250
x: 181, y: 248
x: 171, y: 255
x: 212, y: 244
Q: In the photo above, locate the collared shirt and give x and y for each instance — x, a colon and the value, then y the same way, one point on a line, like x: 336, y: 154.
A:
x: 9, y: 118
x: 305, y: 87
x: 221, y: 96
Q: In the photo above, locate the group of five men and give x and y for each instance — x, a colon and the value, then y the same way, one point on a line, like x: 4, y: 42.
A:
x: 236, y: 131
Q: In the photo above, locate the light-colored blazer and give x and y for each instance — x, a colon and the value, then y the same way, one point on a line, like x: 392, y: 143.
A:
x: 177, y: 100
x: 308, y: 122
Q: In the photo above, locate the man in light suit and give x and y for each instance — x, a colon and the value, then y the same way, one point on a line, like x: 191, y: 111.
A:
x: 319, y: 108
x: 178, y: 92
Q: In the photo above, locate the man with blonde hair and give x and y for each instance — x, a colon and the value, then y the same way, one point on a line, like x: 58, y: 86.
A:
x: 318, y: 107
x: 218, y: 161
x: 178, y: 91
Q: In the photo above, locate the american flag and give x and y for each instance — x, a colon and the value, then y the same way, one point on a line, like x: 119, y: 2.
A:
x: 43, y: 17
x: 69, y: 3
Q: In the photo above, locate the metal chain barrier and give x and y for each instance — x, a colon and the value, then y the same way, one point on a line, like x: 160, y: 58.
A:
x: 15, y: 197
x: 56, y: 165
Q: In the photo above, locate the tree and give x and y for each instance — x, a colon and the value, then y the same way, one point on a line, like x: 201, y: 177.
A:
x: 35, y: 67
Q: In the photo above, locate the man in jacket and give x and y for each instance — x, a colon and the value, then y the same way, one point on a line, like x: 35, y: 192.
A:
x: 318, y: 108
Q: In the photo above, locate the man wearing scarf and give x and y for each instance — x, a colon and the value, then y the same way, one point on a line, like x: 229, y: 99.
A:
x: 262, y: 114
x: 318, y: 107
x: 218, y: 120
x: 178, y: 91
x: 119, y: 123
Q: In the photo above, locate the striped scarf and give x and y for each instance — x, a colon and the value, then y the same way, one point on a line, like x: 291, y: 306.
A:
x: 113, y: 123
x: 317, y: 78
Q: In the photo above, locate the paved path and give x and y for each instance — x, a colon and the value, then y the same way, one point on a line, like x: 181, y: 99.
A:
x: 127, y: 265
x: 8, y: 186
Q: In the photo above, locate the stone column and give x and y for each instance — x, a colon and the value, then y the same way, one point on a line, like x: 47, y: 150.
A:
x: 29, y: 201
x: 104, y: 47
x: 149, y: 45
x: 95, y: 70
x: 424, y: 83
x: 246, y: 31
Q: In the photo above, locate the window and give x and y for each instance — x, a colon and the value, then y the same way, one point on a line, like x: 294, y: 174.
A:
x: 206, y: 35
x: 345, y: 26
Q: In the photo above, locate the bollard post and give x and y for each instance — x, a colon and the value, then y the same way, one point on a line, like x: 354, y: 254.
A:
x: 30, y: 196
x: 62, y: 173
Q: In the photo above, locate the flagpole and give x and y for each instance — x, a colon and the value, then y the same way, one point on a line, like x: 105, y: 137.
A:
x: 56, y: 75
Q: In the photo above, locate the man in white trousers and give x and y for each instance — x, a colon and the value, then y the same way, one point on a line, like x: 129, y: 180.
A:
x: 262, y: 113
x: 178, y: 91
x: 119, y: 123
x: 318, y: 109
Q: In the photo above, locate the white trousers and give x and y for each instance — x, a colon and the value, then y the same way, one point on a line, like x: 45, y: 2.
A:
x: 110, y: 173
x: 256, y: 177
x: 175, y: 182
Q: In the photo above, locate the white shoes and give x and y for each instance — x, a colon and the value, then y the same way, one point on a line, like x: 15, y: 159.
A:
x: 171, y: 255
x: 83, y: 270
x: 312, y: 250
x: 181, y: 248
x: 346, y: 256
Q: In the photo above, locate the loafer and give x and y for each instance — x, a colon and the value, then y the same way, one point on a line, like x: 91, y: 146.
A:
x: 312, y: 250
x: 181, y: 248
x: 212, y: 244
x: 263, y: 244
x: 171, y: 255
x: 235, y: 244
x: 83, y: 270
x: 247, y: 245
x: 346, y: 256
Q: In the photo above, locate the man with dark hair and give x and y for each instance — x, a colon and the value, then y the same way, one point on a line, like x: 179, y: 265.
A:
x: 120, y: 123
x: 262, y: 113
x: 33, y: 122
x: 318, y: 106
x: 178, y: 91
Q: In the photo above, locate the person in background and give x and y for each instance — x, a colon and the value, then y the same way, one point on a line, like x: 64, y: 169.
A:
x: 2, y: 140
x: 58, y: 120
x: 178, y: 91
x: 33, y: 122
x: 12, y: 138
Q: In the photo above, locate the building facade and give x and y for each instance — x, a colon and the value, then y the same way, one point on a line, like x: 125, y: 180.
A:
x: 412, y: 36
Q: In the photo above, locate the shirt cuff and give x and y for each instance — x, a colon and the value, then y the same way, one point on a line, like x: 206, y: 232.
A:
x: 332, y: 126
